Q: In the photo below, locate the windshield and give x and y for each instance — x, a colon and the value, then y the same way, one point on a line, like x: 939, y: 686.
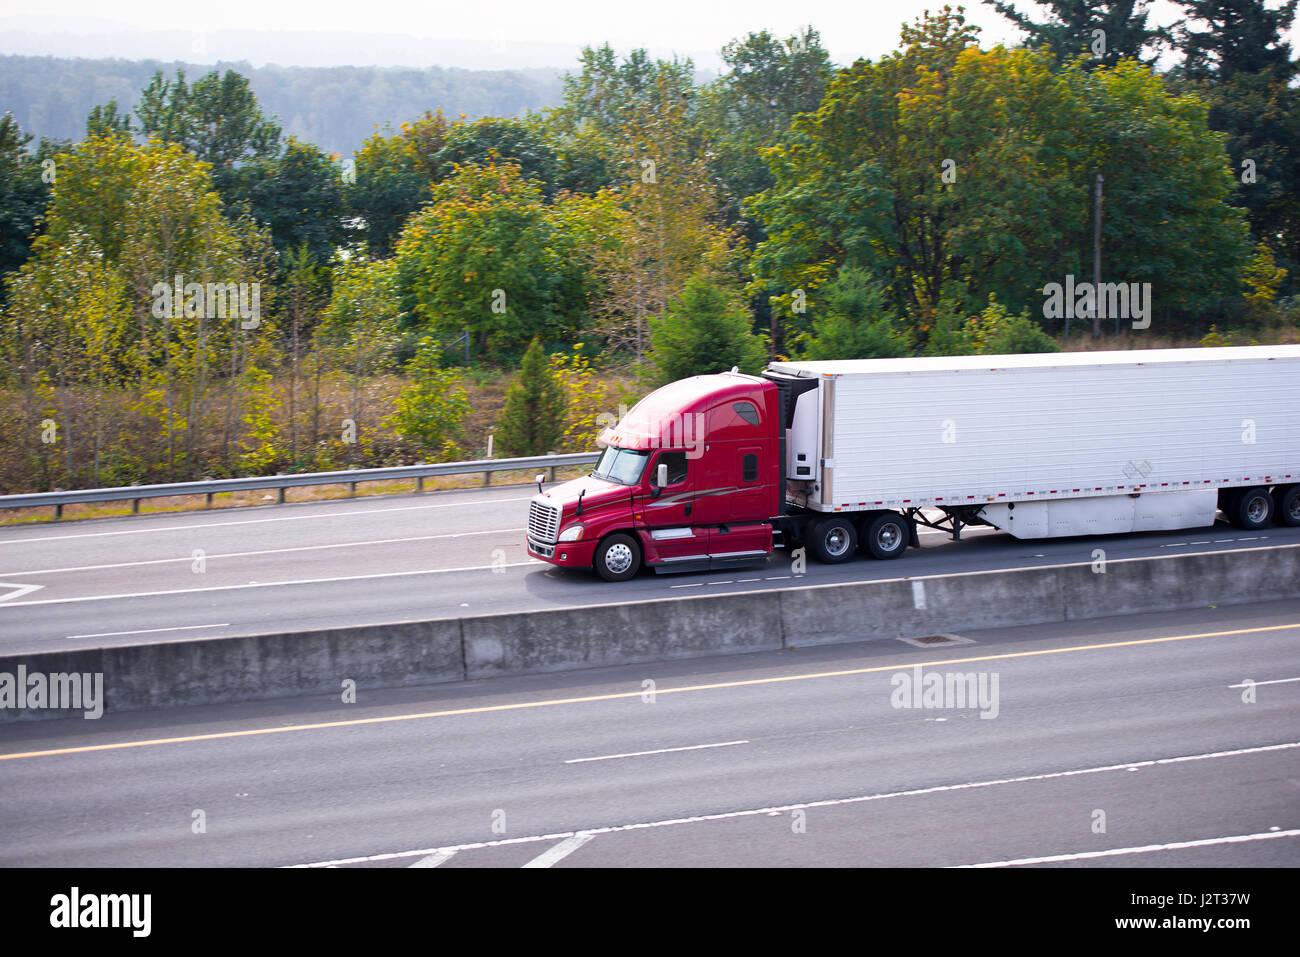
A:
x: 623, y: 466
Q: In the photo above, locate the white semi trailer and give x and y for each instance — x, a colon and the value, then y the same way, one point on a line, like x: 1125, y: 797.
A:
x: 1049, y: 445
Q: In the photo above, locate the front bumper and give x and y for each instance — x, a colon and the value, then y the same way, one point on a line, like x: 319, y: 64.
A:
x: 578, y: 554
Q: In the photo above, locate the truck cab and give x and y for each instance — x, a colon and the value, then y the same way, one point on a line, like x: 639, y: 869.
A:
x: 689, y: 479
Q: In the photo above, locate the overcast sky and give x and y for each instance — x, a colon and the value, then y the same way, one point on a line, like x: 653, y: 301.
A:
x: 694, y: 28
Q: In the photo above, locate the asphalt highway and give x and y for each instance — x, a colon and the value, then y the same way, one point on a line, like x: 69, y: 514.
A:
x: 289, y: 567
x: 1152, y: 740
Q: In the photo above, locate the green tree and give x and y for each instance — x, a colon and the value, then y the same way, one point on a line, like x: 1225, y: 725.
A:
x: 106, y: 119
x: 534, y: 418
x: 217, y: 119
x: 1238, y: 59
x: 389, y: 186
x: 299, y: 196
x: 858, y: 322
x: 487, y: 255
x: 1072, y: 28
x: 1237, y: 36
x: 24, y: 193
x: 608, y: 96
x: 96, y: 303
x: 429, y: 410
x: 946, y: 163
x: 749, y: 108
x: 492, y: 141
x: 359, y: 336
x: 705, y: 330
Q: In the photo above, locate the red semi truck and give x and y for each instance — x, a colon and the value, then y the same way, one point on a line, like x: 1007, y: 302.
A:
x: 713, y: 471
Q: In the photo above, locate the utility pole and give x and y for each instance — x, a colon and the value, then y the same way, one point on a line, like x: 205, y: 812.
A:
x: 1096, y: 264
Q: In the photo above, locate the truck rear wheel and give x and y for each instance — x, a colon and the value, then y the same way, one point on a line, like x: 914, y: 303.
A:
x: 886, y: 535
x: 833, y: 540
x: 1252, y: 509
x: 618, y: 558
x: 1286, y: 501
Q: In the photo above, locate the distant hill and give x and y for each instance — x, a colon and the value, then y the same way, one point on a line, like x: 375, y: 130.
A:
x: 335, y: 108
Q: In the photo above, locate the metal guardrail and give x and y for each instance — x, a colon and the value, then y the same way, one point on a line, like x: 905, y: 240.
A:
x: 134, y: 493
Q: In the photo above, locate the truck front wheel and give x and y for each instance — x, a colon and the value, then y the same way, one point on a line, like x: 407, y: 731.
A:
x: 1252, y: 509
x: 618, y: 558
x: 833, y: 540
x: 886, y: 535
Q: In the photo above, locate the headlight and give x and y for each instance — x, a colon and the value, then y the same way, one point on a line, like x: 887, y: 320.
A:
x: 570, y: 534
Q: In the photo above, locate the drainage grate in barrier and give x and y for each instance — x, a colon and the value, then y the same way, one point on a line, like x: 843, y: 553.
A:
x: 938, y: 641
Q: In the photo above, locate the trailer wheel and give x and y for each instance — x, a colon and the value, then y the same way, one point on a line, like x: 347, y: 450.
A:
x: 886, y: 535
x: 833, y: 540
x: 618, y: 558
x: 1286, y: 502
x: 1252, y: 509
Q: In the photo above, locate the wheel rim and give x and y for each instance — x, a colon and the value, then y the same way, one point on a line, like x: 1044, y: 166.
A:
x: 888, y: 536
x: 837, y: 541
x: 618, y: 558
x: 1257, y: 508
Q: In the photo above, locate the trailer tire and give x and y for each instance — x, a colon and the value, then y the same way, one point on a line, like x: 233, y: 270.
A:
x: 618, y: 558
x: 886, y: 535
x: 1252, y: 509
x: 833, y: 540
x: 1286, y: 504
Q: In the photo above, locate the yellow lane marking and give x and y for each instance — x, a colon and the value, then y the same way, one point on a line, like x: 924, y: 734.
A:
x: 553, y: 702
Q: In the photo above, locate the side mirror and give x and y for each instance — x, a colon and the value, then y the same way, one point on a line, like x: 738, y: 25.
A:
x: 540, y: 476
x: 661, y: 479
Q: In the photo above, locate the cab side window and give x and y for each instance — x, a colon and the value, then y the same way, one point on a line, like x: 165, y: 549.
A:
x: 676, y: 462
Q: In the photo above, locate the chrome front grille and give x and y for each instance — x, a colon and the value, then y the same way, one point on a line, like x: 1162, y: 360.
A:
x: 543, y: 522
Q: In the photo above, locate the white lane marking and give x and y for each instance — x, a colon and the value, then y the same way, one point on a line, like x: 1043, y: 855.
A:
x: 773, y: 578
x: 300, y: 581
x: 638, y: 754
x: 1218, y: 541
x: 263, y: 551
x: 742, y: 581
x: 150, y: 631
x: 255, y: 521
x: 18, y: 590
x: 434, y: 859
x: 1144, y: 849
x: 1275, y: 681
x: 560, y: 851
x: 832, y: 802
x: 692, y: 585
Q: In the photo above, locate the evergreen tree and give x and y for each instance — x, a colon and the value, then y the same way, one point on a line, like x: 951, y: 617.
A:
x: 858, y: 323
x: 533, y: 420
x: 706, y: 329
x: 1071, y: 28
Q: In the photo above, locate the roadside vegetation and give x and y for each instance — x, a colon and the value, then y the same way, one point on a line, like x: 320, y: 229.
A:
x: 188, y: 292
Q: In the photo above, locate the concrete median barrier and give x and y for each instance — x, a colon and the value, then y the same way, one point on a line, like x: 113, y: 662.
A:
x: 172, y: 674
x: 926, y: 605
x: 592, y: 636
x: 211, y: 670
